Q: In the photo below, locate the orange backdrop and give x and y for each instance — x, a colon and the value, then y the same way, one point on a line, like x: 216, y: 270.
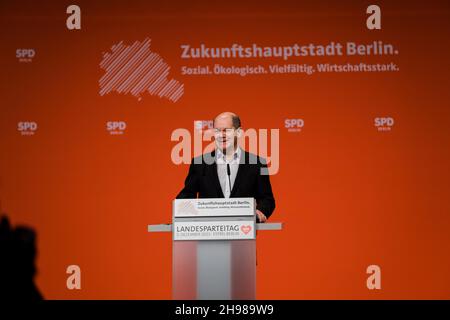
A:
x: 349, y: 195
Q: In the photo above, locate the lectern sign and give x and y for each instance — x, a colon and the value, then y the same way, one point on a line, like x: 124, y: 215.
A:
x: 214, y: 230
x: 214, y: 248
x: 214, y: 207
x: 214, y: 219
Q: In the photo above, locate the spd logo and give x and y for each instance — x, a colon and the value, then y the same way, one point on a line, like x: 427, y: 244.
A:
x: 203, y: 124
x: 384, y: 123
x: 27, y: 128
x: 116, y: 127
x: 294, y: 125
x: 25, y: 55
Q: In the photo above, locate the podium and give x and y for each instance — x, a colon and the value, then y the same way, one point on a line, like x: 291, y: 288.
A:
x: 214, y: 248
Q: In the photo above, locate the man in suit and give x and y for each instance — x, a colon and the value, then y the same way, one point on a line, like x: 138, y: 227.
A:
x: 229, y: 171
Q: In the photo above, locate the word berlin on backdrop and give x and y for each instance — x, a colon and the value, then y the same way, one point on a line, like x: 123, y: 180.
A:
x: 285, y: 52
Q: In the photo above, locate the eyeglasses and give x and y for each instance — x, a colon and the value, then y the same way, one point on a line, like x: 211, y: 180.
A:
x: 227, y: 131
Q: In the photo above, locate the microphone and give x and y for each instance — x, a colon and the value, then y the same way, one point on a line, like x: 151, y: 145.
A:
x: 229, y: 175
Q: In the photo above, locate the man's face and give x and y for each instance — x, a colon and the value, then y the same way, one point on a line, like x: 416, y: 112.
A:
x: 225, y: 134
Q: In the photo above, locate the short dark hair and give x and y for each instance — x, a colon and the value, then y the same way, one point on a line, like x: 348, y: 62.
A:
x: 236, y: 121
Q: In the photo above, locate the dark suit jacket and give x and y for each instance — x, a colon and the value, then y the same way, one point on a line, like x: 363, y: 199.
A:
x: 203, y: 181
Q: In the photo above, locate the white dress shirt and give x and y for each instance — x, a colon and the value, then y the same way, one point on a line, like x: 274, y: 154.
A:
x: 222, y: 162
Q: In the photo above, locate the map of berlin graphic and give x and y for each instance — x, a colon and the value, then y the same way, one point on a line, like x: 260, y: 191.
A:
x: 135, y: 69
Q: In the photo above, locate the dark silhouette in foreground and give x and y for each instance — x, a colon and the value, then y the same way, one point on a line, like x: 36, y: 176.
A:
x: 17, y: 263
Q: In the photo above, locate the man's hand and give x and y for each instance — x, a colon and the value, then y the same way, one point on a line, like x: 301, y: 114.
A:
x: 261, y: 217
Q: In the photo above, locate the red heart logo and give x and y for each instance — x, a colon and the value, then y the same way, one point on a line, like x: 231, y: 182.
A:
x: 246, y: 229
